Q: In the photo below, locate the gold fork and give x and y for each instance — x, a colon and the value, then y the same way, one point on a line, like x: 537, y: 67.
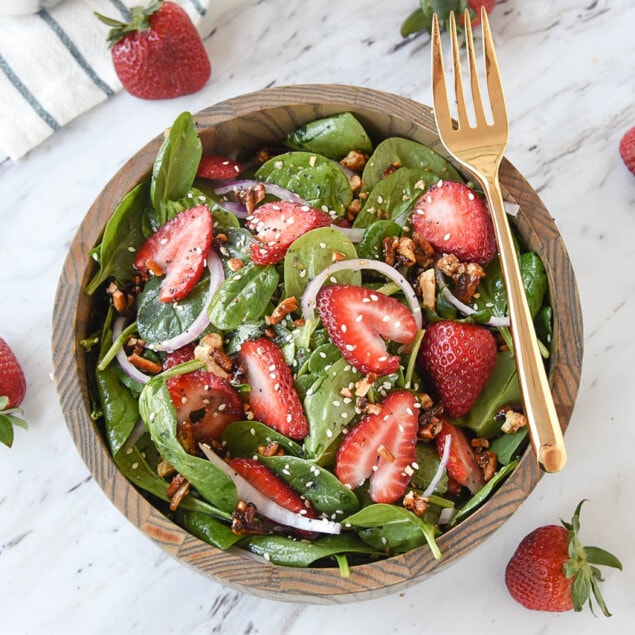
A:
x: 479, y: 148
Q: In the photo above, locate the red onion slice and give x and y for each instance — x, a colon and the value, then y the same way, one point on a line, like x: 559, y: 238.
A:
x: 216, y: 277
x: 132, y: 371
x: 355, y: 264
x: 445, y: 457
x: 271, y: 188
x: 247, y: 492
x: 494, y: 321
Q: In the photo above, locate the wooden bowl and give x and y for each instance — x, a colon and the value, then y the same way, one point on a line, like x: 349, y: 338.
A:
x: 248, y: 122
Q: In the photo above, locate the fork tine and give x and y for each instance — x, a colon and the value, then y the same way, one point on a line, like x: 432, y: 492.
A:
x: 461, y: 106
x: 477, y: 100
x: 439, y: 88
x: 492, y: 72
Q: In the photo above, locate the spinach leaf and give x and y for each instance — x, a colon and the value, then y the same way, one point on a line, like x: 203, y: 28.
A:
x: 175, y: 166
x: 394, y: 196
x: 509, y: 446
x: 206, y: 528
x: 393, y: 528
x: 123, y: 235
x: 428, y: 462
x: 332, y: 137
x: 158, y: 414
x: 319, y: 181
x: 327, y: 412
x: 319, y: 486
x: 372, y: 243
x: 158, y: 321
x: 405, y: 153
x: 243, y: 296
x: 313, y: 252
x: 243, y: 438
x: 501, y: 389
x: 301, y: 553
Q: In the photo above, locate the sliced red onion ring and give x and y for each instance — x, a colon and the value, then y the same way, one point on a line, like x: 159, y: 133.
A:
x: 278, y: 191
x: 247, y: 492
x: 355, y: 264
x: 132, y: 371
x: 495, y: 321
x: 354, y: 234
x: 445, y: 457
x: 236, y: 208
x: 216, y: 277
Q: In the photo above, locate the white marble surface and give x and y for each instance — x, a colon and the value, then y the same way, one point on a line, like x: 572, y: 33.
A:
x: 70, y: 563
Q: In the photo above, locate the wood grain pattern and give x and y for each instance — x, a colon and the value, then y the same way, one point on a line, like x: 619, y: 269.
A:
x: 248, y: 122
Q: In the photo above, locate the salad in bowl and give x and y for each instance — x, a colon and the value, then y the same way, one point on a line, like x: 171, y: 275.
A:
x: 297, y: 350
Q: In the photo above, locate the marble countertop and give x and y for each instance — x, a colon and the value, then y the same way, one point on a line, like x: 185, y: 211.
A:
x: 70, y: 563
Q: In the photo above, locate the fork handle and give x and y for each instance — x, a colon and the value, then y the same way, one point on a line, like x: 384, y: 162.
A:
x: 544, y: 426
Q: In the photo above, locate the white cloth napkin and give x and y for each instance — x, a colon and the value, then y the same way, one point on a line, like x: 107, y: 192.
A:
x: 55, y: 65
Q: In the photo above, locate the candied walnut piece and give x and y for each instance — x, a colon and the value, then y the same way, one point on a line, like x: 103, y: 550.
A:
x: 390, y: 169
x: 355, y: 161
x: 466, y: 276
x: 415, y: 503
x: 245, y: 521
x: 385, y: 454
x: 512, y: 420
x: 286, y: 306
x: 145, y: 365
x: 234, y: 264
x: 252, y: 196
x: 485, y: 458
x: 353, y: 209
x: 271, y: 449
x: 428, y: 289
x: 121, y: 300
x: 210, y: 351
x: 177, y: 490
x: 165, y: 468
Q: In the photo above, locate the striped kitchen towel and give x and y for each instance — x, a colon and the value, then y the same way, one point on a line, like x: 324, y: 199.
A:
x: 55, y: 65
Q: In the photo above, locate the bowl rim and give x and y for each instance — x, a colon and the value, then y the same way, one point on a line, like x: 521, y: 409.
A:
x: 235, y: 568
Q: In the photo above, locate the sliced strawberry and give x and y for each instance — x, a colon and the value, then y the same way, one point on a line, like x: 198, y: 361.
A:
x: 277, y: 225
x: 358, y: 320
x: 178, y: 250
x: 382, y: 446
x: 205, y: 405
x: 462, y: 465
x: 273, y: 487
x: 216, y: 167
x: 273, y: 398
x: 179, y: 356
x: 458, y: 358
x: 455, y: 220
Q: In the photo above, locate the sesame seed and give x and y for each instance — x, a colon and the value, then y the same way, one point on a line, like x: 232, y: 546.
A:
x: 359, y: 318
x: 447, y: 236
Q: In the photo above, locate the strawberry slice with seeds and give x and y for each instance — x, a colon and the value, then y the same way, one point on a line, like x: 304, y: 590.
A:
x: 217, y: 167
x: 178, y: 250
x: 273, y: 398
x: 458, y: 358
x: 381, y: 446
x: 455, y: 220
x: 359, y: 320
x: 272, y: 486
x: 205, y: 403
x: 276, y: 225
x: 462, y: 465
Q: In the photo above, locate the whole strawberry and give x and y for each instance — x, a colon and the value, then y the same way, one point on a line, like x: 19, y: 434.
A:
x: 627, y: 149
x: 552, y: 571
x: 457, y: 358
x: 159, y: 53
x: 12, y: 391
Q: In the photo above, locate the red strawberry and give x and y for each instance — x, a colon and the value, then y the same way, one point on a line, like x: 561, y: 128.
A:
x: 552, y: 571
x: 627, y: 149
x: 205, y: 405
x: 12, y: 391
x: 358, y: 321
x: 475, y: 10
x: 455, y: 220
x: 159, y: 54
x: 178, y: 250
x: 458, y: 358
x: 462, y: 466
x: 277, y: 225
x: 381, y: 446
x: 273, y: 398
x: 273, y: 487
x: 12, y: 381
x: 215, y: 167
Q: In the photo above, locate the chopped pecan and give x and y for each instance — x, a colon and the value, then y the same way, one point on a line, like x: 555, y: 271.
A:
x: 354, y: 160
x: 416, y: 503
x: 353, y: 209
x: 210, y: 351
x: 177, y: 490
x: 355, y: 182
x: 385, y: 454
x: 245, y: 521
x: 165, y: 468
x: 364, y: 384
x: 252, y: 196
x: 286, y: 306
x: 428, y: 289
x: 121, y: 300
x: 234, y: 264
x: 512, y: 420
x: 466, y: 276
x: 144, y: 365
x: 271, y: 449
x: 390, y: 169
x: 488, y: 462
